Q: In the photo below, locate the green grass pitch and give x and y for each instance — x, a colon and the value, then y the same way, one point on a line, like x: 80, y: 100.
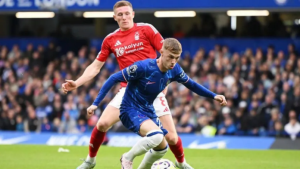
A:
x: 47, y: 157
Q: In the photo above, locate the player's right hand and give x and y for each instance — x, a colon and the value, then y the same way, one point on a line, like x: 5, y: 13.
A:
x: 91, y: 110
x: 221, y: 99
x: 69, y: 85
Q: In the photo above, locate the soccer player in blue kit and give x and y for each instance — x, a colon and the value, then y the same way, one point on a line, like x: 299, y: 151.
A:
x: 146, y: 79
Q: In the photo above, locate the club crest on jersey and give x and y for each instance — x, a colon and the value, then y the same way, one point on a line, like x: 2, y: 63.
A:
x: 137, y: 36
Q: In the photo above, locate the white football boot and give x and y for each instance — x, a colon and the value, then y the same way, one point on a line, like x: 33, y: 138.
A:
x: 183, y: 165
x: 86, y: 165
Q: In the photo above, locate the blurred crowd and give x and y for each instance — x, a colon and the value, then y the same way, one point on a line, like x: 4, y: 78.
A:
x: 262, y: 89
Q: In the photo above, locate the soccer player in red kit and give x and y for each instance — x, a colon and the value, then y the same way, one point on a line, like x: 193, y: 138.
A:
x: 130, y: 43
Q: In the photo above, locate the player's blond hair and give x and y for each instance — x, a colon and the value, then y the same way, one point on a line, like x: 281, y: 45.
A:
x: 172, y: 45
x: 122, y: 3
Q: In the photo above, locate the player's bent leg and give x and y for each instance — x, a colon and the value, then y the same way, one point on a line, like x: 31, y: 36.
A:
x: 108, y: 118
x: 174, y: 142
x: 168, y: 124
x: 153, y: 155
x: 153, y: 137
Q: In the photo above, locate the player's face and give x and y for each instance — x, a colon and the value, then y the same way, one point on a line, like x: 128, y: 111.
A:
x: 169, y: 59
x: 124, y: 16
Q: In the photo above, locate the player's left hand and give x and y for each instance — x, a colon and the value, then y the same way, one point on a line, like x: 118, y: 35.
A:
x: 91, y: 110
x: 221, y: 99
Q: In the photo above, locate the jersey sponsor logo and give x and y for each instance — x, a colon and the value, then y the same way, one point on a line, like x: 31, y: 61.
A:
x: 120, y: 51
x: 129, y: 48
x: 118, y: 43
x: 137, y: 36
x: 150, y: 82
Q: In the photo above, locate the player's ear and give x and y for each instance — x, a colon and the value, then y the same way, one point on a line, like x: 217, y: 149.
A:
x: 133, y: 14
x: 114, y: 17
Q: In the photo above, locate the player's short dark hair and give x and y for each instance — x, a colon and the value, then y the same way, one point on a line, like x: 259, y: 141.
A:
x: 122, y: 3
x: 172, y: 45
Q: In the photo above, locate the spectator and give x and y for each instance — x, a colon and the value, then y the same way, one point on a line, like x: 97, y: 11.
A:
x: 32, y: 123
x: 184, y: 126
x: 46, y: 125
x: 227, y: 127
x: 292, y: 128
x: 68, y: 124
x: 20, y: 124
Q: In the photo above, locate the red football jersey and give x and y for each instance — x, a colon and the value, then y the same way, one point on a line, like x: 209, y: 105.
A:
x: 135, y: 44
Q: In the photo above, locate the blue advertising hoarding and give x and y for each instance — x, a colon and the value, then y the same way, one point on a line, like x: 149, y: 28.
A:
x: 107, y: 5
x: 129, y: 139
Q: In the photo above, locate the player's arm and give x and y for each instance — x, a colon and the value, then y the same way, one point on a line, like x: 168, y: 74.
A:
x: 183, y: 78
x: 110, y: 82
x: 130, y: 73
x: 91, y: 71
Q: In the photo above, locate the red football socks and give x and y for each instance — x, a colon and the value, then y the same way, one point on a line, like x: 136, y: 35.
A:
x: 96, y: 140
x: 177, y: 150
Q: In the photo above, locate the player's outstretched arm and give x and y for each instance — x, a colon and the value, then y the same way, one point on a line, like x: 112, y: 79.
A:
x: 89, y: 73
x: 202, y: 91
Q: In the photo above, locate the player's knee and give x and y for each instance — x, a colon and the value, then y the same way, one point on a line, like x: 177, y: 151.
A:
x: 172, y: 138
x: 103, y: 125
x: 156, y: 137
x: 161, y: 152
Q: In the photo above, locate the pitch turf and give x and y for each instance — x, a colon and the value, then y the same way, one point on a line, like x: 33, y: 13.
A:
x: 47, y: 157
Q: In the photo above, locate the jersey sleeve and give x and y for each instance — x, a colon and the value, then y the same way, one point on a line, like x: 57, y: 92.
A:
x: 105, y: 51
x: 111, y: 81
x: 154, y: 36
x: 180, y: 75
x: 133, y: 72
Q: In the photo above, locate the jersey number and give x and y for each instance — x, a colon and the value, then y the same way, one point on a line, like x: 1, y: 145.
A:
x: 162, y: 101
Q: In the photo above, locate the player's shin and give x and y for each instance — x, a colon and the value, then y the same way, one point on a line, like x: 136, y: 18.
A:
x: 96, y: 140
x: 151, y: 140
x: 177, y: 150
x: 152, y: 156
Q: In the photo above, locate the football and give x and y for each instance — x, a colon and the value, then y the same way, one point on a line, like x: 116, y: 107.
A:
x: 163, y: 164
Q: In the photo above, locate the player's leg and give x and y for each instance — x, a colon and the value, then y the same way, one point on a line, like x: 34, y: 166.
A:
x: 163, y: 112
x: 141, y: 124
x: 109, y: 117
x: 153, y: 155
x: 153, y: 136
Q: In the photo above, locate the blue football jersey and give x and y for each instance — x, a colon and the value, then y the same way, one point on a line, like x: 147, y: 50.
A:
x: 145, y: 82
